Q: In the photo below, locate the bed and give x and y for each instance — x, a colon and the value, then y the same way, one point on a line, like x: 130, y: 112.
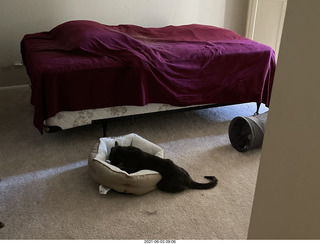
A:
x: 83, y: 71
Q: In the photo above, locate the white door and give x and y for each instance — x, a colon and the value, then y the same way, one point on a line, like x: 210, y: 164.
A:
x: 265, y: 22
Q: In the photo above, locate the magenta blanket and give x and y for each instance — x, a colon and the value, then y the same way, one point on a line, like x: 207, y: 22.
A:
x: 84, y: 64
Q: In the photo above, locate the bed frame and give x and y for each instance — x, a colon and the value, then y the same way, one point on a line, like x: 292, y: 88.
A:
x: 104, y: 121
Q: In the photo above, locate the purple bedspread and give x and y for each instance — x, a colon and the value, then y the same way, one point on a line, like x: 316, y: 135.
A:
x: 84, y: 64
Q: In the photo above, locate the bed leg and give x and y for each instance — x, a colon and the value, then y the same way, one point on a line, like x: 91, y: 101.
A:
x: 104, y: 128
x: 258, y: 107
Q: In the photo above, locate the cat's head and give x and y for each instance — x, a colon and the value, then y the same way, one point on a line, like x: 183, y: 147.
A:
x: 123, y: 153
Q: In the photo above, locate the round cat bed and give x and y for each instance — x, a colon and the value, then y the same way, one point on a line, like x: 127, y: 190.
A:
x: 112, y: 177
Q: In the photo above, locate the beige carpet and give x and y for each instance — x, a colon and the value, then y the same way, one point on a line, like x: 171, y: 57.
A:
x: 46, y: 192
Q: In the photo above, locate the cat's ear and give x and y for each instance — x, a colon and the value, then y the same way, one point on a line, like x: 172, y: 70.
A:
x: 116, y: 144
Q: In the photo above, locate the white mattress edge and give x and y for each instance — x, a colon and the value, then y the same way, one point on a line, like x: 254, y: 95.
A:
x: 71, y: 119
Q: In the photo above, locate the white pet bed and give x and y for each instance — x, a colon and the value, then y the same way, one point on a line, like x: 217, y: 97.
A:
x: 112, y: 177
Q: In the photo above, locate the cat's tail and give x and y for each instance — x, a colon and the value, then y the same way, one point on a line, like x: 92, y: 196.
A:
x: 202, y: 186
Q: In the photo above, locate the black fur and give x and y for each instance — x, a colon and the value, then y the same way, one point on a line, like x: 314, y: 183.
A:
x: 174, y: 178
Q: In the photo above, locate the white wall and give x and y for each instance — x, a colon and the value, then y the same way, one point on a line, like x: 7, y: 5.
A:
x: 235, y: 16
x: 287, y: 197
x: 19, y: 17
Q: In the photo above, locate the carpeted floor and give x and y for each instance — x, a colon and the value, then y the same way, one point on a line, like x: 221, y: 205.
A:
x: 46, y: 192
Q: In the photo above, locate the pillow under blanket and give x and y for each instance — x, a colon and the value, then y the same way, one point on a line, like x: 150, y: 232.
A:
x: 110, y: 176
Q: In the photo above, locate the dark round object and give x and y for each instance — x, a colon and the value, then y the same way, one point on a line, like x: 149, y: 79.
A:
x: 247, y: 132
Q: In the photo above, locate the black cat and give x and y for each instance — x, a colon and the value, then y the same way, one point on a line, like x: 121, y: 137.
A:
x: 174, y: 178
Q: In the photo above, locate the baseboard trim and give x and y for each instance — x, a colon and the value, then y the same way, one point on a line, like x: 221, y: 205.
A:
x: 13, y: 87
